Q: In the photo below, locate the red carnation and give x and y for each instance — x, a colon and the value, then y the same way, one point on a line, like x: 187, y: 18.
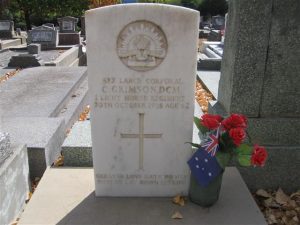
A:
x: 237, y: 135
x: 235, y: 121
x: 211, y: 121
x: 259, y: 156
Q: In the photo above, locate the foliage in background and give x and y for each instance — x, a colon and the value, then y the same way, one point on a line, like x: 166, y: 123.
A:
x: 193, y: 4
x: 28, y: 12
x: 171, y: 2
x: 101, y: 3
x: 210, y: 8
x: 4, y: 12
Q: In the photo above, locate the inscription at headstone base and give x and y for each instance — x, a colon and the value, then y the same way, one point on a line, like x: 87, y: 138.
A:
x: 141, y: 83
x: 42, y: 36
x: 67, y: 25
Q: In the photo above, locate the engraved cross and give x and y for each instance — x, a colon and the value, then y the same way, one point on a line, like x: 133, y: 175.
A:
x: 141, y: 136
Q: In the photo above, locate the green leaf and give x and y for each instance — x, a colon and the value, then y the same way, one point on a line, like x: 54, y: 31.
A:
x: 244, y: 160
x: 223, y: 158
x: 200, y: 127
x: 197, y: 122
x: 244, y: 152
x: 193, y: 144
x: 244, y: 149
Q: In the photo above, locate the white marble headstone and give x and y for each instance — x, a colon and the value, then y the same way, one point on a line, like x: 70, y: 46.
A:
x: 141, y: 68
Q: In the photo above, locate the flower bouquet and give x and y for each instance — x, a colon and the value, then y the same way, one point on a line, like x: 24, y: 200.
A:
x: 223, y: 141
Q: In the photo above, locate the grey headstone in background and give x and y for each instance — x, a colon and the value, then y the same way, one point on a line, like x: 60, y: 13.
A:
x: 34, y: 49
x: 218, y: 22
x: 7, y: 29
x: 244, y: 56
x: 67, y: 24
x: 5, y: 25
x: 281, y: 87
x: 44, y: 35
x: 260, y: 78
x: 5, y: 149
x: 49, y: 25
x: 18, y: 31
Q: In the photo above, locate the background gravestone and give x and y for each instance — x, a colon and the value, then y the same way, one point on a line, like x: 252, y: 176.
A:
x: 141, y: 84
x: 260, y: 78
x: 49, y: 25
x: 7, y: 29
x: 34, y: 49
x: 67, y: 31
x: 218, y: 22
x: 67, y: 24
x: 44, y: 35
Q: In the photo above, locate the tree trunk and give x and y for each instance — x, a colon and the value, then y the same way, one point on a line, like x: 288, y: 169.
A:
x: 27, y: 19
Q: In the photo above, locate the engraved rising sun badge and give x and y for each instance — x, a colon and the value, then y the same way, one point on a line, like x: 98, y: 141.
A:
x: 142, y: 45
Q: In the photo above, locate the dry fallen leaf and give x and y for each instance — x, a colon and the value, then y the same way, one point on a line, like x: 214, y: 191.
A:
x: 263, y: 193
x: 29, y: 197
x: 179, y: 200
x: 279, y: 207
x: 84, y: 115
x: 177, y: 215
x: 281, y: 197
x: 202, y: 96
x: 296, y: 196
x: 296, y: 219
x: 272, y: 219
x: 8, y: 75
x: 59, y: 161
x: 268, y: 202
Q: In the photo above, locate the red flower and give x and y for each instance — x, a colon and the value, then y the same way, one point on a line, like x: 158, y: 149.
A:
x: 235, y: 121
x: 237, y: 135
x: 211, y: 121
x: 259, y: 156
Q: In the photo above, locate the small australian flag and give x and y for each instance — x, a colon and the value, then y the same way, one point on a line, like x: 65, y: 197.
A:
x: 204, y: 167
